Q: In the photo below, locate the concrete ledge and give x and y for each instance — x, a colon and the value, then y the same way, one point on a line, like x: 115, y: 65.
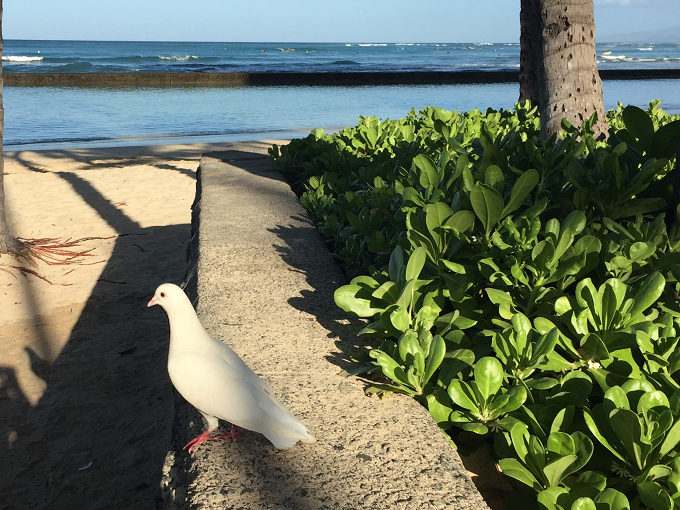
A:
x: 264, y: 282
x: 279, y: 79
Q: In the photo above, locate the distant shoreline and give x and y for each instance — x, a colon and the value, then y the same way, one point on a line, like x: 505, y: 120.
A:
x: 188, y: 79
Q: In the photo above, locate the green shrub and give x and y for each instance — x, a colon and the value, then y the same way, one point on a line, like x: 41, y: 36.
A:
x: 522, y: 289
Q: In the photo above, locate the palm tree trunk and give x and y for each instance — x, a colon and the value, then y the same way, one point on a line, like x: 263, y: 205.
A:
x: 565, y: 64
x: 8, y: 243
x: 530, y: 51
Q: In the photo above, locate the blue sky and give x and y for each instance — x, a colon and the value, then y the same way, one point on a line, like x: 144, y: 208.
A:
x: 307, y: 20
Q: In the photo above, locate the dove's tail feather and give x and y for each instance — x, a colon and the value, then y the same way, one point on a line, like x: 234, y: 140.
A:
x: 286, y: 436
x: 286, y: 441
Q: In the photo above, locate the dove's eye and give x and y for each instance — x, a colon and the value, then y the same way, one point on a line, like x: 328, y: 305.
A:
x: 162, y: 294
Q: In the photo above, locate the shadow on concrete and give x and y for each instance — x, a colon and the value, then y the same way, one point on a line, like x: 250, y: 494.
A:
x: 324, y: 276
x: 99, y: 434
x: 304, y: 250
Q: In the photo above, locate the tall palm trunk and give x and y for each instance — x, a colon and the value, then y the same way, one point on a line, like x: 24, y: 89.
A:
x: 8, y: 243
x: 558, y: 63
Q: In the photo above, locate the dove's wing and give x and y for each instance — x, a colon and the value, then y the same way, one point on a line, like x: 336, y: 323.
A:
x: 225, y: 387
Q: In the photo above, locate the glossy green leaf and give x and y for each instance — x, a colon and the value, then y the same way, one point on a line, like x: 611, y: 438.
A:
x: 542, y: 383
x: 611, y: 499
x: 561, y: 444
x: 575, y: 221
x: 356, y: 298
x: 584, y: 451
x: 462, y: 395
x: 462, y: 221
x: 435, y: 357
x: 597, y: 481
x: 517, y: 395
x: 519, y: 433
x: 638, y: 206
x: 593, y: 347
x: 389, y: 366
x: 593, y: 427
x: 454, y: 363
x: 493, y: 176
x: 639, y: 125
x: 583, y: 504
x: 488, y: 374
x: 426, y: 171
x: 651, y: 400
x: 514, y: 469
x: 655, y: 496
x: 524, y: 185
x: 454, y: 267
x: 416, y: 262
x: 440, y: 407
x: 671, y: 440
x: 641, y: 251
x: 617, y: 396
x: 388, y: 292
x: 409, y: 346
x: 396, y: 263
x: 487, y: 204
x: 648, y: 293
x: 547, y: 499
x: 554, y: 471
x: 626, y: 425
x: 399, y: 318
x: 665, y: 141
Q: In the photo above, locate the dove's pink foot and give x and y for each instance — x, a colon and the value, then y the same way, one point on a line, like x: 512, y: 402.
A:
x: 232, y: 435
x: 198, y: 440
x: 191, y: 445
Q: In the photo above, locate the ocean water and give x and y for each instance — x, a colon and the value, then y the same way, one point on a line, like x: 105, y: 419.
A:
x: 70, y: 117
x: 114, y: 57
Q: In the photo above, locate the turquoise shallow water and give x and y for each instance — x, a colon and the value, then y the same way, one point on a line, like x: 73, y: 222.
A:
x: 61, y: 117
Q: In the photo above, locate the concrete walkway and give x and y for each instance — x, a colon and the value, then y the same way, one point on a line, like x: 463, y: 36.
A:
x: 264, y: 283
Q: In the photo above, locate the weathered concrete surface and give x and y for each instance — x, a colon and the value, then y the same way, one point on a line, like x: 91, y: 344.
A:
x: 265, y: 283
x: 275, y: 79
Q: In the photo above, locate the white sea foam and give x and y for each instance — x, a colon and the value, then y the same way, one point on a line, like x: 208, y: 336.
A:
x: 645, y: 49
x: 646, y: 60
x: 372, y: 44
x: 347, y: 44
x: 404, y: 44
x: 614, y: 57
x: 485, y: 44
x: 18, y: 59
x: 177, y: 58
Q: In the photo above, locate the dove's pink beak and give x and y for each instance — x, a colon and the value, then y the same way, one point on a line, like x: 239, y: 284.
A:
x: 152, y: 302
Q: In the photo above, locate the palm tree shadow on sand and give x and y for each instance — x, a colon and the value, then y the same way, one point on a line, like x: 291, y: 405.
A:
x: 99, y: 435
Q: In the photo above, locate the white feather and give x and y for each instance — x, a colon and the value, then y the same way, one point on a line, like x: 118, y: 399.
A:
x: 212, y: 378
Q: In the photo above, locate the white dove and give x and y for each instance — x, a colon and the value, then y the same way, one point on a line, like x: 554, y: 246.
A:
x: 213, y: 379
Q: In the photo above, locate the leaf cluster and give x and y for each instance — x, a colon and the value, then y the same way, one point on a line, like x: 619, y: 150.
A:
x: 525, y: 290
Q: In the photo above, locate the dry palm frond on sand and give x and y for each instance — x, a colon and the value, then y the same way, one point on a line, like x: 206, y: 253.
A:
x: 53, y: 252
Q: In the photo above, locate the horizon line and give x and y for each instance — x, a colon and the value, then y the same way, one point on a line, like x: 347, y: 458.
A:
x: 316, y: 42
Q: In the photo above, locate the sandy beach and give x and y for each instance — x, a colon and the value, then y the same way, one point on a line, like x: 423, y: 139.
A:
x: 86, y: 405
